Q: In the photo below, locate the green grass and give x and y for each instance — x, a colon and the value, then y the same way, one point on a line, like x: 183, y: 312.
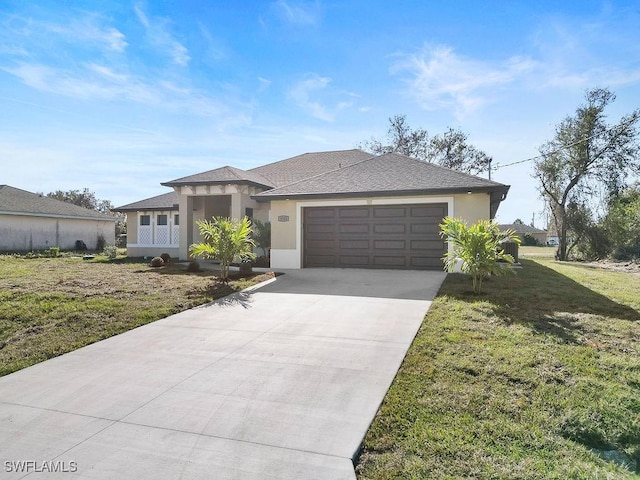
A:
x: 529, y: 251
x: 525, y: 381
x: 50, y: 306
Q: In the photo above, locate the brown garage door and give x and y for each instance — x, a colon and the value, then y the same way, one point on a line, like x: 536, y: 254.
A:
x: 385, y: 236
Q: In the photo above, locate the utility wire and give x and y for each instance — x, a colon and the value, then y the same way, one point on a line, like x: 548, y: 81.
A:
x: 633, y: 119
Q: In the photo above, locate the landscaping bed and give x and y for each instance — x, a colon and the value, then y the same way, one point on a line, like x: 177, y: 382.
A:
x: 538, y: 378
x: 50, y: 306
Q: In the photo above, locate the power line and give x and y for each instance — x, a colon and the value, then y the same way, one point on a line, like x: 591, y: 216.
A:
x: 633, y: 119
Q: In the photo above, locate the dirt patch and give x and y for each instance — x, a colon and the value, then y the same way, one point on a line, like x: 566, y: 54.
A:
x: 616, y: 265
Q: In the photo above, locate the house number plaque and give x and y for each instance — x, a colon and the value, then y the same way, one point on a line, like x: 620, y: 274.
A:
x: 283, y: 218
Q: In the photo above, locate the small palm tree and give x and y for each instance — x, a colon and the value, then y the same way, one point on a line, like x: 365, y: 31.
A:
x: 224, y: 240
x: 477, y: 250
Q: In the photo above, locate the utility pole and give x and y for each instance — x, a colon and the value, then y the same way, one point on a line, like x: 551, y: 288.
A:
x: 490, y: 160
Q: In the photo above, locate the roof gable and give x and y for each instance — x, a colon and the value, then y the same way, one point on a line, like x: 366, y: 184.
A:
x: 391, y: 173
x: 16, y: 201
x: 222, y: 175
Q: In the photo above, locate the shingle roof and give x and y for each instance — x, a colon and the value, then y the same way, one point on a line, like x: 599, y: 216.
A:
x: 166, y: 201
x: 307, y: 165
x: 16, y: 201
x: 521, y: 228
x: 391, y: 173
x: 222, y: 175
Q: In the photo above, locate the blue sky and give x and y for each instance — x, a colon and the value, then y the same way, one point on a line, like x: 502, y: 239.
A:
x: 120, y: 96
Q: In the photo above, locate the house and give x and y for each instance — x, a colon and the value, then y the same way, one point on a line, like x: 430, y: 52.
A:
x: 30, y: 221
x: 523, y: 230
x: 343, y: 208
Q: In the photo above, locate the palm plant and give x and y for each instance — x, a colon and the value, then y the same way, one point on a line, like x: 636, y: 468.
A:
x: 477, y: 250
x: 224, y: 240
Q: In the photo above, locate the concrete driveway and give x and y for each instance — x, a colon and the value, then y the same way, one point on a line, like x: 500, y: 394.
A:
x: 281, y: 382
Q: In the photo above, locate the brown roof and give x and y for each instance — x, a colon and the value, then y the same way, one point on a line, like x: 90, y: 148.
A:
x: 15, y: 201
x: 222, y: 175
x: 521, y: 228
x: 166, y: 201
x: 389, y: 174
x: 308, y: 165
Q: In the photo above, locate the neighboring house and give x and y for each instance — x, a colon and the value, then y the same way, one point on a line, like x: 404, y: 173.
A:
x: 29, y: 221
x: 327, y: 209
x: 521, y: 229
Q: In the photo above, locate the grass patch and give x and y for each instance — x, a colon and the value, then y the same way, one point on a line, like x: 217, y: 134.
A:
x: 533, y: 380
x: 50, y: 306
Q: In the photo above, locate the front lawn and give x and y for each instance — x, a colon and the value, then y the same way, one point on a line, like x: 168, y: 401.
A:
x: 50, y: 306
x: 539, y: 378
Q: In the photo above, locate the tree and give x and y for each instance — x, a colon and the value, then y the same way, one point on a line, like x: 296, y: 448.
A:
x: 224, y: 240
x: 262, y: 235
x: 84, y: 198
x: 449, y: 149
x: 622, y: 223
x: 586, y: 153
x: 477, y: 250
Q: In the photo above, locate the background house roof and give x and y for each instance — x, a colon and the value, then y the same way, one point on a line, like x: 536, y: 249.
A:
x: 307, y: 165
x: 391, y: 173
x: 222, y: 175
x: 521, y: 228
x: 15, y: 201
x: 166, y: 201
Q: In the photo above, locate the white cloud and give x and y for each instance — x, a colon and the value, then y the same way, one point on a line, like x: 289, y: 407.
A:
x: 159, y: 35
x: 298, y: 13
x: 439, y: 78
x: 305, y: 94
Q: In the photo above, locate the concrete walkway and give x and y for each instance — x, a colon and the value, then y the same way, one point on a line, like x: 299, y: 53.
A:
x: 282, y: 382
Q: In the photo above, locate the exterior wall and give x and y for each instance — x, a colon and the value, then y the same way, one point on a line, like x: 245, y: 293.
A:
x: 472, y: 207
x: 286, y: 233
x: 153, y: 239
x: 26, y: 232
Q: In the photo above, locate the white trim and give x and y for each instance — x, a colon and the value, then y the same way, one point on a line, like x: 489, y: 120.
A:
x: 293, y: 257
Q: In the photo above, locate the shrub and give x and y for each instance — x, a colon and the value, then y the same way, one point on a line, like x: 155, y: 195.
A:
x: 101, y: 243
x: 110, y: 251
x: 224, y: 240
x: 477, y: 250
x: 52, y: 252
x: 156, y: 262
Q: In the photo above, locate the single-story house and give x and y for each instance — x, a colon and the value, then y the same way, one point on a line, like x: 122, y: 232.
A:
x: 343, y: 208
x: 30, y: 221
x: 521, y: 229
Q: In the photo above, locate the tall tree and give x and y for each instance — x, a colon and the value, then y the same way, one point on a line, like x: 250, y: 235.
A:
x: 586, y: 153
x: 449, y: 149
x: 85, y: 198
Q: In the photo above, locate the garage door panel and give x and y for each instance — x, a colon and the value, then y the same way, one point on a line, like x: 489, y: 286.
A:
x: 321, y: 212
x: 351, y: 228
x: 354, y: 260
x: 389, y: 261
x: 354, y: 212
x: 389, y: 244
x: 427, y: 211
x: 380, y: 236
x: 425, y: 229
x: 437, y: 245
x: 351, y: 244
x: 395, y: 212
x: 400, y: 228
